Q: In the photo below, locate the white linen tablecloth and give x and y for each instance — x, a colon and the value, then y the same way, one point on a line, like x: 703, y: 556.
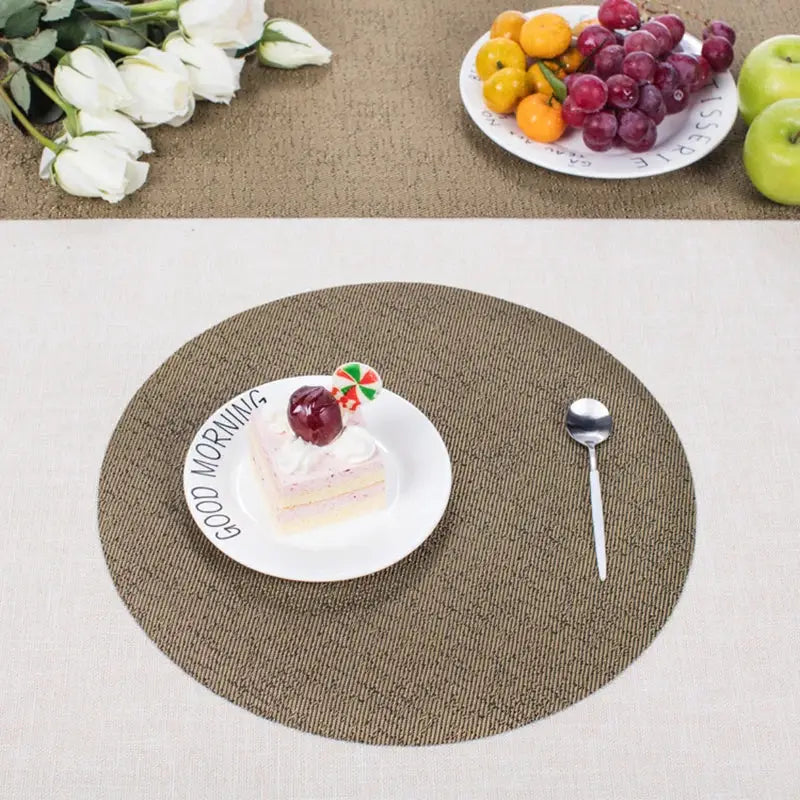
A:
x: 705, y: 314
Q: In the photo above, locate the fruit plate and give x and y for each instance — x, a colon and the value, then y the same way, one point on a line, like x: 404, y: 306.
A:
x: 226, y: 500
x: 683, y: 138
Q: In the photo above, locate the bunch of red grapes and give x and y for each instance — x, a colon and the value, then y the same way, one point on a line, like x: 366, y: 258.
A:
x: 634, y: 81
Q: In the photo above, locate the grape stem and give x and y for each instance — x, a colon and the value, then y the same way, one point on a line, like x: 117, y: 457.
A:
x: 795, y: 137
x: 588, y: 60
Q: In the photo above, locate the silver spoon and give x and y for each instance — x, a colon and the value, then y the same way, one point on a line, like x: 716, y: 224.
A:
x: 589, y: 424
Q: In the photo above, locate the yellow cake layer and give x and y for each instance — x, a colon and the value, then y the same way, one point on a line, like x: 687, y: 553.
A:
x: 341, y: 514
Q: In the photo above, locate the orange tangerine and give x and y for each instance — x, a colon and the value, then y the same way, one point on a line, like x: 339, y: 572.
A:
x: 507, y: 25
x: 498, y: 54
x: 539, y: 118
x: 505, y: 89
x: 545, y: 36
x: 571, y: 60
x: 537, y: 80
x: 581, y: 26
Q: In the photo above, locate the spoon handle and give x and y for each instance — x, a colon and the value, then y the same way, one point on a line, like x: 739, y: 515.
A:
x: 597, y: 522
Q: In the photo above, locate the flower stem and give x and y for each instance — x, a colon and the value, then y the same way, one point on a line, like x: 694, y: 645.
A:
x: 154, y: 7
x: 26, y: 123
x: 70, y: 111
x: 51, y: 93
x: 59, y: 52
x: 119, y: 48
x: 127, y: 23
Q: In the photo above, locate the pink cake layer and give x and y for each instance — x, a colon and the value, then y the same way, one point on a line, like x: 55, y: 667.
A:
x: 329, y: 477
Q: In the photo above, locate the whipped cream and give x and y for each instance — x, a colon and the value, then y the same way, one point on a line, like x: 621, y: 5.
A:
x: 353, y: 445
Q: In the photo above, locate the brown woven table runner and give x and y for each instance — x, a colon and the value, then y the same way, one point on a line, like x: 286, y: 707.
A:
x: 382, y: 132
x: 499, y: 618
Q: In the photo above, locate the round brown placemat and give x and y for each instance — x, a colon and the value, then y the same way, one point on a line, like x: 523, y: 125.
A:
x: 499, y: 618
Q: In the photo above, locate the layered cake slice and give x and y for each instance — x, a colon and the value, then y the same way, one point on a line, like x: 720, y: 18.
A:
x: 315, y: 458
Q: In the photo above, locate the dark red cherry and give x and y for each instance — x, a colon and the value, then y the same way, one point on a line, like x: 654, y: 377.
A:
x: 314, y: 415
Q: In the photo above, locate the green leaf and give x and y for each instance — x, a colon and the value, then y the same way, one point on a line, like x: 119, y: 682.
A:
x: 36, y: 48
x: 109, y: 7
x: 270, y: 35
x: 24, y: 22
x: 156, y: 33
x: 556, y: 84
x: 78, y: 30
x: 5, y: 113
x: 10, y: 7
x: 60, y: 9
x: 21, y: 90
x: 126, y: 37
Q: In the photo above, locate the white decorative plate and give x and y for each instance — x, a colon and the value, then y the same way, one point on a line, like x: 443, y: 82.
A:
x: 226, y: 501
x: 682, y: 138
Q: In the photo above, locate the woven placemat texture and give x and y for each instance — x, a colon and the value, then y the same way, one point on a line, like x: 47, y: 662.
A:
x: 382, y: 133
x: 499, y: 618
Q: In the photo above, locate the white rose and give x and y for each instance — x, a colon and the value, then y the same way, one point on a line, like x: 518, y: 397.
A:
x: 226, y: 23
x: 88, y: 79
x: 212, y: 73
x: 160, y: 88
x: 88, y: 166
x: 116, y: 128
x: 287, y: 45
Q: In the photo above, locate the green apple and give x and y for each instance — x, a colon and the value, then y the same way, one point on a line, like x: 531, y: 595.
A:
x: 770, y: 72
x: 772, y: 152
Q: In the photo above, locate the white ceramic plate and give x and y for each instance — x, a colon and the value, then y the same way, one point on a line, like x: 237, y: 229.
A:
x: 226, y: 501
x: 682, y: 138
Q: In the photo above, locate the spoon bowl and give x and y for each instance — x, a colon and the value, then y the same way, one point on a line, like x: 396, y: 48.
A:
x: 588, y: 422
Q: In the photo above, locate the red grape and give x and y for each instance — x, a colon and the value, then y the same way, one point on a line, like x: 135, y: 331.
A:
x: 641, y: 40
x: 640, y: 66
x: 632, y: 126
x: 593, y: 39
x: 599, y: 130
x: 589, y: 94
x: 674, y: 24
x: 570, y: 79
x: 571, y: 115
x: 662, y: 34
x: 720, y: 28
x: 651, y: 102
x: 666, y: 78
x: 703, y: 74
x: 608, y: 61
x: 718, y: 51
x: 314, y: 415
x: 647, y: 141
x: 623, y: 92
x: 618, y: 14
x: 676, y: 100
x: 686, y: 65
